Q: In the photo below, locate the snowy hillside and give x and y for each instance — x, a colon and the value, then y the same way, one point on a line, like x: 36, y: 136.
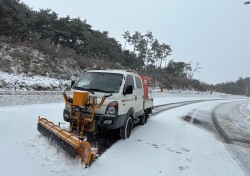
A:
x: 41, y: 66
x: 22, y: 82
x: 26, y: 68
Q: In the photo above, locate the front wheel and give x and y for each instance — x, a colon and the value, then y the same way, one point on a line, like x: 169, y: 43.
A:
x: 125, y: 131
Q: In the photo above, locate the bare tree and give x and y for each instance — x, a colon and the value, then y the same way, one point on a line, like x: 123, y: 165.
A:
x: 127, y: 38
x: 193, y: 69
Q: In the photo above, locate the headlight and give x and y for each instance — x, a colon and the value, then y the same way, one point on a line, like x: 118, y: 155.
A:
x: 67, y: 106
x: 107, y: 122
x: 112, y: 108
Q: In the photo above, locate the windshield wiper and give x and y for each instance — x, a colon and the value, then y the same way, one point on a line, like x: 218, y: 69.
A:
x: 92, y: 90
x: 98, y: 90
x: 80, y: 88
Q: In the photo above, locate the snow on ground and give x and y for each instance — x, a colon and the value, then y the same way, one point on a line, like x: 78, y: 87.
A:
x: 233, y: 119
x: 172, y: 97
x: 245, y: 110
x: 17, y: 127
x: 166, y: 145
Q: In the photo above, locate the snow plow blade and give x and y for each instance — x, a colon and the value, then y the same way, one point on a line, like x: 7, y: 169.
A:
x: 67, y: 141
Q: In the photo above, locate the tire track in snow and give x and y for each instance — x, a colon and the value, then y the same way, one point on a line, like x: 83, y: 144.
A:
x: 231, y: 127
x: 160, y: 108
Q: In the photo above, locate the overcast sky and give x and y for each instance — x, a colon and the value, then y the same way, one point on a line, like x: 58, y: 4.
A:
x: 215, y: 33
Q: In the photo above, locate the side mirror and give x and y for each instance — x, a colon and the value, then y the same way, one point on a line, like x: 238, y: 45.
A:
x: 72, y: 83
x: 128, y: 90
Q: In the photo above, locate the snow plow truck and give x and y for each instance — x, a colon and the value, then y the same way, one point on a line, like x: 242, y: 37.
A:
x: 100, y: 99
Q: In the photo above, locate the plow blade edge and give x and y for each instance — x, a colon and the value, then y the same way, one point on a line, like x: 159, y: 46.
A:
x: 67, y: 141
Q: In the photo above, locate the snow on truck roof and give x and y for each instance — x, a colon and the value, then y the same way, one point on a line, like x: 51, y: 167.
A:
x: 124, y: 72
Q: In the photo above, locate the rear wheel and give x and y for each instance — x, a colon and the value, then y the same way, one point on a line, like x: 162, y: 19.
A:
x: 144, y: 118
x: 125, y: 131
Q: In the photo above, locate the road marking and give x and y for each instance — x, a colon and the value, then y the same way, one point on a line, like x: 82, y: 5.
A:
x: 193, y: 113
x: 192, y: 119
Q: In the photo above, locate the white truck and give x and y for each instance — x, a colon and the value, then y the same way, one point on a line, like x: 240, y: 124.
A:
x: 127, y: 99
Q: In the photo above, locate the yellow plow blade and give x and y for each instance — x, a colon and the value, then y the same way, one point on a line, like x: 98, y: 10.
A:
x: 69, y: 142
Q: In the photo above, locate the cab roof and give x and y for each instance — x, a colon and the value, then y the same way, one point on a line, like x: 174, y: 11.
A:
x: 124, y: 72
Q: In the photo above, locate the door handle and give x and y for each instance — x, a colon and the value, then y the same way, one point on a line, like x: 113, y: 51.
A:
x: 135, y: 98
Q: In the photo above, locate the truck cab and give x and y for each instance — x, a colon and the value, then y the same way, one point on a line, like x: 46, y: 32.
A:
x: 127, y: 99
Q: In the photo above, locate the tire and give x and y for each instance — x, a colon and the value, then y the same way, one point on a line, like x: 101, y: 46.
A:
x: 125, y: 131
x: 144, y: 118
x: 150, y: 111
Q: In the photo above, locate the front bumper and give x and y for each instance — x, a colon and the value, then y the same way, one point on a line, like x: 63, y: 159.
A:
x: 117, y: 120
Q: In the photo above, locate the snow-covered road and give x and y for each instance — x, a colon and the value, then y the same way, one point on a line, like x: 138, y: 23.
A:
x: 166, y: 145
x: 233, y: 122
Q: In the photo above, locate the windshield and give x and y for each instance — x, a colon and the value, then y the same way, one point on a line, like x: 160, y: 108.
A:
x: 99, y: 82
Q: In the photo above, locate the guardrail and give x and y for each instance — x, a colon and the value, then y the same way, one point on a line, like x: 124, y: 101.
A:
x: 30, y: 97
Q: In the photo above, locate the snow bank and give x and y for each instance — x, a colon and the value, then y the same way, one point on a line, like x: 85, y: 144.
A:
x: 22, y: 82
x: 248, y: 108
x: 244, y: 110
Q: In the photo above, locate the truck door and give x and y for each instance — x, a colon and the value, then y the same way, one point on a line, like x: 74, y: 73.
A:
x: 138, y: 92
x: 128, y: 100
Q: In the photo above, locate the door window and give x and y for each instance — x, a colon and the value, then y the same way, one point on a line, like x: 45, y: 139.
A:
x: 138, y: 83
x: 129, y: 81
